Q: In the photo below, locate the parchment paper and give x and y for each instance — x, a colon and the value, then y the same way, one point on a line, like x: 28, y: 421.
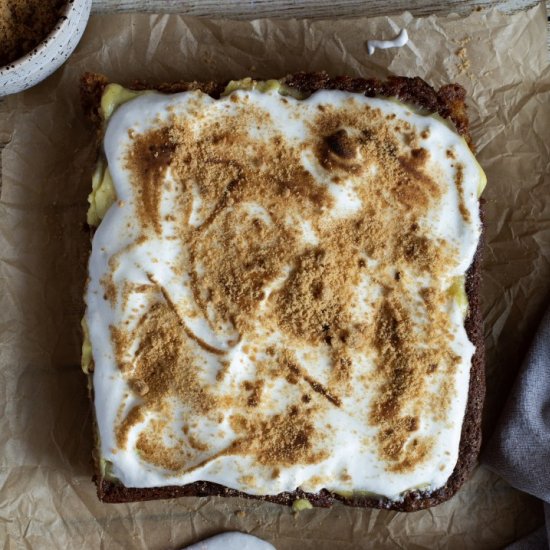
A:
x: 47, y: 499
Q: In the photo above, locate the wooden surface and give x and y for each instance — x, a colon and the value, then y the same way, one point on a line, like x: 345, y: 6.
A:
x: 313, y: 9
x: 243, y: 9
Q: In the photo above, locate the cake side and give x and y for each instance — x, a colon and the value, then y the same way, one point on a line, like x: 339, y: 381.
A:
x: 450, y: 101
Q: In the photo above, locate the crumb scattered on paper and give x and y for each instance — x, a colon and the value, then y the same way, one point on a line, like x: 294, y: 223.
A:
x: 463, y: 63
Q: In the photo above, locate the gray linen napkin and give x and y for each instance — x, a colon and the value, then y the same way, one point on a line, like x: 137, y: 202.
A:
x: 519, y: 450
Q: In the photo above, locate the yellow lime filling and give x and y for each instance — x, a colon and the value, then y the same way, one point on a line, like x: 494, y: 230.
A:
x: 114, y: 96
x: 301, y: 504
x: 102, y: 195
x: 86, y: 360
x: 458, y: 291
x: 482, y: 183
x: 106, y: 469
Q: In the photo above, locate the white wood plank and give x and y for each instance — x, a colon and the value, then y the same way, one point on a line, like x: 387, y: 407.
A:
x: 247, y: 9
x: 314, y: 9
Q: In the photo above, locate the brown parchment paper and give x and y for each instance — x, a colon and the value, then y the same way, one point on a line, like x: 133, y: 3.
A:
x: 47, y: 499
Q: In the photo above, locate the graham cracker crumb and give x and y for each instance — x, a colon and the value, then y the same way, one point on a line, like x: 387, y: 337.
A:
x: 463, y: 64
x: 282, y: 440
x: 459, y: 180
x: 148, y: 160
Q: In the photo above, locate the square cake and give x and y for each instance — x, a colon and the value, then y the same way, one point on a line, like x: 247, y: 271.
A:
x: 282, y: 299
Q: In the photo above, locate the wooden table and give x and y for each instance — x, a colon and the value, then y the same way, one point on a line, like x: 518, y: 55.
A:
x: 247, y: 9
x: 314, y: 9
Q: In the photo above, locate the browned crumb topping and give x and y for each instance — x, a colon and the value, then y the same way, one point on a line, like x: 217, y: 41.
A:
x: 283, y: 440
x: 312, y: 304
x: 152, y: 447
x: 344, y: 476
x: 148, y: 160
x: 24, y: 24
x: 134, y: 416
x: 163, y: 361
x: 295, y: 373
x: 110, y: 289
x: 236, y: 256
x: 459, y: 181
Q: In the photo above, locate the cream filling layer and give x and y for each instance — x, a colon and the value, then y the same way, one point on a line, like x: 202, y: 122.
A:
x: 348, y: 447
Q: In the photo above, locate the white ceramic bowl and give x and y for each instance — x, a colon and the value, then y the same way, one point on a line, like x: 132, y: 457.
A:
x: 50, y: 54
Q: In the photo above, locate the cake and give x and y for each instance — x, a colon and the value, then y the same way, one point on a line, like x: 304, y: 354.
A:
x: 283, y: 285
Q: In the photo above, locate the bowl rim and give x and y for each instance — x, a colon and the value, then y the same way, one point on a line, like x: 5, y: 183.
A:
x: 61, y: 24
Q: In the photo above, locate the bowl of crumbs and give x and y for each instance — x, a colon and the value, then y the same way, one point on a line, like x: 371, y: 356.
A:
x: 36, y: 38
